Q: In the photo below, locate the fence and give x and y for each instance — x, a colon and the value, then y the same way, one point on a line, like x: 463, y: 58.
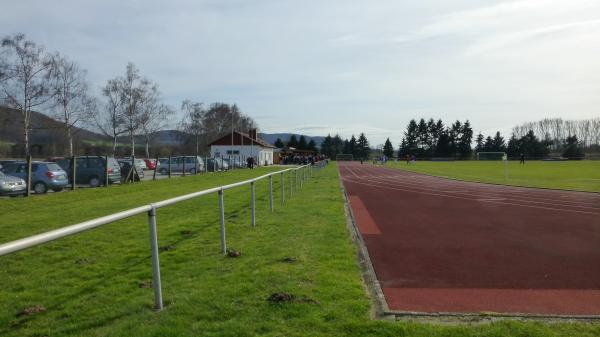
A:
x: 297, y: 177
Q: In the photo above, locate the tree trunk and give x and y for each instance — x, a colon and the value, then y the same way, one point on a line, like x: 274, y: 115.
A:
x: 25, y: 131
x: 114, y: 150
x: 132, y: 136
x: 70, y: 140
x: 147, y: 146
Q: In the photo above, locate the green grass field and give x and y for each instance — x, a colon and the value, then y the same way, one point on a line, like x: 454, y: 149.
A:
x: 95, y: 284
x: 568, y: 175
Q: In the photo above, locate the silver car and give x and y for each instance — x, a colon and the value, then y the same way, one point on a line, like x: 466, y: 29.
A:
x: 12, y: 186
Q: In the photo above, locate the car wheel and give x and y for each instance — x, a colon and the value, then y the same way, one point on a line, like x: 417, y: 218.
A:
x: 193, y: 171
x: 58, y: 189
x: 40, y: 188
x: 163, y: 171
x: 94, y: 182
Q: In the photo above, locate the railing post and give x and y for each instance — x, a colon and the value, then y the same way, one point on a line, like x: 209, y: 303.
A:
x: 222, y: 214
x: 291, y: 184
x: 301, y: 176
x: 28, y: 178
x: 282, y: 188
x: 73, y: 173
x: 271, y: 192
x: 253, y: 204
x: 105, y: 171
x: 170, y: 160
x: 158, y: 302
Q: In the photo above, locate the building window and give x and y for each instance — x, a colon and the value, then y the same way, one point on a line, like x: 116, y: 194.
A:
x: 234, y: 152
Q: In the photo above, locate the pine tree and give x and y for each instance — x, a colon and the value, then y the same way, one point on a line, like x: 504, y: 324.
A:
x: 293, y: 142
x: 352, y: 146
x: 479, y: 145
x: 279, y: 143
x: 388, y: 149
x: 302, y: 144
x: 312, y: 146
x: 362, y: 147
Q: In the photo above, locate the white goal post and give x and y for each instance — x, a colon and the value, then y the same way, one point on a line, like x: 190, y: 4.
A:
x: 492, y: 156
x: 344, y: 157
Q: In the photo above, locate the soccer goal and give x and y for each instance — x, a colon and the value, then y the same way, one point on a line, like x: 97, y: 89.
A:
x: 492, y: 156
x: 344, y: 157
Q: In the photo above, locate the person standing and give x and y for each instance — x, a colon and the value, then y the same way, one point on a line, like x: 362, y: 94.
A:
x: 522, y: 159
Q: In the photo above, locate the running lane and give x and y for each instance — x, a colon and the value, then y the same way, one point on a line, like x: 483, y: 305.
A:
x: 440, y: 245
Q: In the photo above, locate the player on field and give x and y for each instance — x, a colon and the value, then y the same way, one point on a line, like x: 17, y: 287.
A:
x: 522, y: 159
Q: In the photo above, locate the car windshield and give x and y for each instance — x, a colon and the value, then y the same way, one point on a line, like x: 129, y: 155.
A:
x: 53, y: 167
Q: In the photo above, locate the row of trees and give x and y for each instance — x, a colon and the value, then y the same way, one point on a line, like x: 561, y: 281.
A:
x: 358, y: 148
x: 130, y: 105
x: 529, y: 144
x: 433, y: 139
x: 31, y: 78
x: 202, y: 124
x: 300, y: 144
x: 556, y: 131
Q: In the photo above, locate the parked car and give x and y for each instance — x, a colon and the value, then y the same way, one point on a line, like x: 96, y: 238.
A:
x: 12, y: 186
x: 234, y: 162
x: 126, y: 167
x: 44, y: 175
x: 192, y: 164
x: 139, y: 163
x: 5, y: 162
x: 150, y: 163
x: 90, y: 170
x: 216, y: 164
x: 138, y: 166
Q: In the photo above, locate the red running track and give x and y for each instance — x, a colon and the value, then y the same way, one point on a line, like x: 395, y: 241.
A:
x: 440, y: 245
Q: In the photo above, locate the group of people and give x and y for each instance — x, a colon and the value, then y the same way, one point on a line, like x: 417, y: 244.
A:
x: 294, y: 159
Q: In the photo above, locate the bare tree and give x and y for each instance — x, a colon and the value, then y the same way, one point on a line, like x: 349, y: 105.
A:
x: 70, y: 91
x: 154, y: 115
x: 192, y: 123
x: 24, y: 78
x: 111, y: 121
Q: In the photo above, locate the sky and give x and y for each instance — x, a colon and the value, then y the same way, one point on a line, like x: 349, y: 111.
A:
x: 339, y: 66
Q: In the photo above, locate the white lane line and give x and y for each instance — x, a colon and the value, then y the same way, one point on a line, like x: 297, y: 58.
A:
x: 548, y: 201
x: 471, y: 199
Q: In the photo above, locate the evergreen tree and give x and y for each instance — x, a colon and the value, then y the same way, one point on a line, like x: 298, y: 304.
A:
x: 302, y: 144
x: 572, y: 148
x: 337, y: 146
x: 388, y: 149
x: 403, y: 150
x: 498, y: 143
x: 279, y: 143
x: 327, y: 146
x: 488, y: 146
x: 411, y: 138
x: 293, y: 142
x: 454, y: 135
x: 465, y: 140
x: 352, y: 147
x: 312, y: 146
x: 362, y: 147
x: 422, y: 137
x: 479, y: 143
x: 444, y: 147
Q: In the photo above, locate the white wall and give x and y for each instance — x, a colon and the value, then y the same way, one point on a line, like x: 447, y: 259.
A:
x: 261, y: 154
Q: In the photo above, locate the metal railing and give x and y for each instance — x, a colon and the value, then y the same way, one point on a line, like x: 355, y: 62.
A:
x: 301, y: 173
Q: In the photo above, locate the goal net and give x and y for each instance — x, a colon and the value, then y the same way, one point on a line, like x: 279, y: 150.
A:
x: 491, y: 156
x: 344, y: 157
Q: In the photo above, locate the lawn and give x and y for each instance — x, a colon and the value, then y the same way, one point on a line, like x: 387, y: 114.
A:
x: 96, y: 283
x: 568, y: 175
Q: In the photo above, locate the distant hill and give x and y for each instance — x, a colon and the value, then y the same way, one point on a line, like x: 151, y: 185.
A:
x: 45, y: 130
x: 48, y: 133
x: 285, y: 137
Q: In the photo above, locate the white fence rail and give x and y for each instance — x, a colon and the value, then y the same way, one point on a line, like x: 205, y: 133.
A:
x: 297, y: 176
